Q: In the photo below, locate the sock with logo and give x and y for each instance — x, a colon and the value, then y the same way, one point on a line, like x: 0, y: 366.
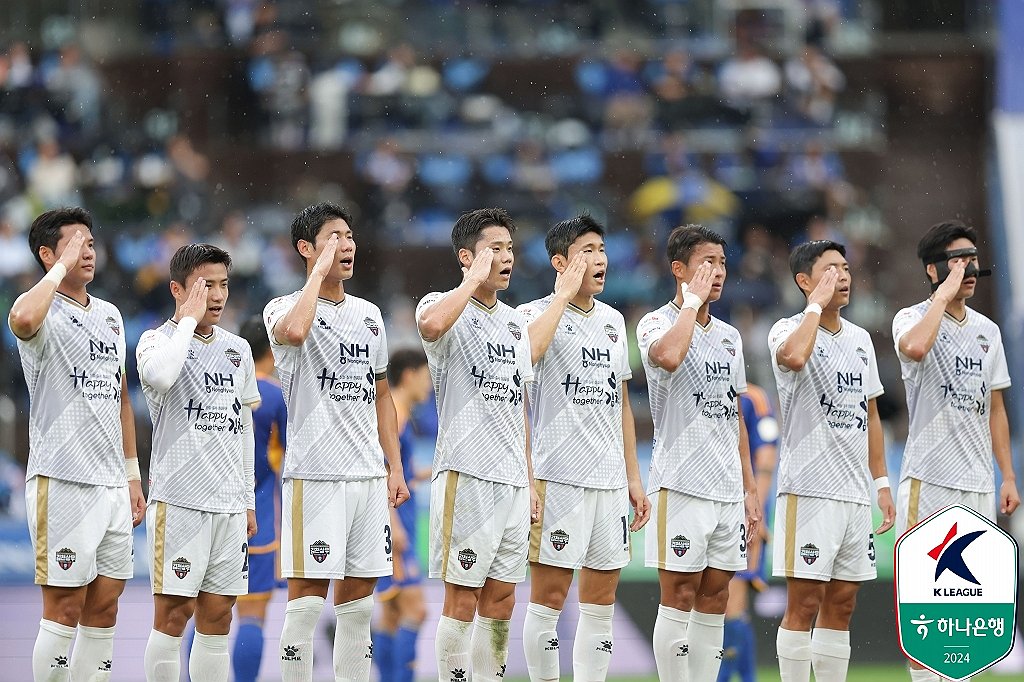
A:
x: 794, y: 650
x: 209, y: 660
x: 451, y: 649
x: 540, y: 642
x: 830, y: 654
x: 300, y: 619
x: 353, y: 653
x: 592, y: 648
x: 489, y: 649
x: 162, y: 660
x: 50, y: 653
x: 705, y: 634
x: 93, y: 655
x: 671, y: 648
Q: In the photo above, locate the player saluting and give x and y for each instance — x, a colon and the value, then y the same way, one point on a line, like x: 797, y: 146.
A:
x: 83, y: 489
x: 482, y: 497
x: 704, y: 501
x: 955, y: 373
x: 584, y: 455
x: 200, y: 385
x: 831, y: 448
x: 331, y: 354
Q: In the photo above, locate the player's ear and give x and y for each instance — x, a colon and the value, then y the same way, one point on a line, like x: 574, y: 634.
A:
x: 803, y: 280
x: 559, y: 262
x: 932, y: 272
x: 306, y: 248
x: 176, y: 289
x: 678, y: 269
x: 465, y: 257
x: 48, y: 256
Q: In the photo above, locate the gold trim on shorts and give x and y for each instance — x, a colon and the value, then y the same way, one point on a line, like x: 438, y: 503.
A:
x: 42, y: 539
x: 790, y: 536
x: 159, y: 546
x: 448, y: 519
x: 662, y: 527
x: 298, y: 556
x: 913, y: 503
x: 537, y: 529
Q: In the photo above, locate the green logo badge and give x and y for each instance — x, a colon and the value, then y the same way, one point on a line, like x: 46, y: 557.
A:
x: 956, y: 593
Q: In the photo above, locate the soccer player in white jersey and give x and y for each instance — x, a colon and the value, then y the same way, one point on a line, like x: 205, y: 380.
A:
x: 332, y: 358
x: 200, y: 385
x: 584, y: 455
x: 83, y: 489
x: 831, y: 448
x: 955, y: 372
x: 704, y: 499
x: 482, y: 498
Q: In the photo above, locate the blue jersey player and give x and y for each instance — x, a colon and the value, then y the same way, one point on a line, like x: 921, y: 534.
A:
x: 763, y: 433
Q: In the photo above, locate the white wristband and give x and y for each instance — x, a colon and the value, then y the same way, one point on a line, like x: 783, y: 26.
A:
x: 131, y: 469
x: 881, y: 482
x: 691, y: 301
x: 813, y: 308
x: 56, y: 274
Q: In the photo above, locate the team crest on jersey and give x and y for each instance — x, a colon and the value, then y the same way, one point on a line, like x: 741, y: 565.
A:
x: 65, y: 557
x: 863, y: 355
x: 181, y: 566
x: 114, y: 326
x: 810, y: 553
x: 559, y: 539
x: 729, y: 346
x: 983, y: 342
x: 372, y: 325
x: 467, y: 558
x: 516, y: 331
x: 612, y: 334
x: 319, y: 550
x: 680, y: 545
x: 234, y: 356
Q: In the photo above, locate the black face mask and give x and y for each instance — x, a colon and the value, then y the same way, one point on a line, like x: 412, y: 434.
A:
x: 941, y: 263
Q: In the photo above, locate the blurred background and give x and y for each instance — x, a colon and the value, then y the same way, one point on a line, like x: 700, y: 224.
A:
x: 770, y: 121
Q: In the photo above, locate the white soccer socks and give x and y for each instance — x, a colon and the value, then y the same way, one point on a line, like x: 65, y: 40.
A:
x: 50, y: 653
x: 353, y: 652
x: 830, y: 654
x: 209, y: 661
x: 671, y: 648
x: 705, y: 635
x: 540, y: 642
x: 300, y: 618
x: 489, y: 649
x: 592, y: 648
x: 923, y: 675
x: 93, y: 655
x: 451, y: 649
x: 163, y: 657
x: 794, y: 651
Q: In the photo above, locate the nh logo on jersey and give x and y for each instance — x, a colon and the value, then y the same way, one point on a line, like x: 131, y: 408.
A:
x: 467, y: 558
x: 680, y: 545
x: 97, y: 348
x: 372, y: 325
x: 983, y: 342
x: 612, y: 334
x: 497, y: 351
x: 516, y: 331
x: 218, y: 379
x: 353, y: 350
x: 956, y: 592
x: 65, y: 557
x: 729, y: 346
x: 863, y: 355
x: 233, y: 356
x: 319, y: 550
x: 809, y: 553
x: 559, y: 539
x: 967, y: 365
x: 849, y: 381
x: 181, y: 566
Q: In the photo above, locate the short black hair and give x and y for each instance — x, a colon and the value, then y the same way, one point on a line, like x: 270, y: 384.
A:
x: 189, y: 257
x: 467, y: 229
x: 402, y: 360
x: 934, y: 242
x: 685, y: 238
x: 306, y: 225
x: 560, y: 237
x: 255, y: 333
x: 45, y: 230
x: 804, y: 256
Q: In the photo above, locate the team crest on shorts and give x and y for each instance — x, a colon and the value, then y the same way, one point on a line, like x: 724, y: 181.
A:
x: 983, y: 342
x: 319, y: 550
x: 680, y: 545
x: 863, y: 355
x: 810, y: 553
x: 234, y: 356
x: 114, y: 326
x: 65, y: 557
x: 516, y: 331
x: 559, y: 539
x: 729, y: 346
x: 372, y: 325
x: 612, y: 334
x: 467, y: 558
x: 181, y: 566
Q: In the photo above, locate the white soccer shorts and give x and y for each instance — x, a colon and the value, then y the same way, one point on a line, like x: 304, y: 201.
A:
x: 581, y: 527
x: 916, y: 500
x: 687, y: 534
x: 820, y: 539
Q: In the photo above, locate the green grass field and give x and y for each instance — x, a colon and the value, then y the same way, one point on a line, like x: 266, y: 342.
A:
x: 858, y: 673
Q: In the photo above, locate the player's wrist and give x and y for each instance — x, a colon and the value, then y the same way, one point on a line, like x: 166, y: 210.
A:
x: 56, y: 274
x: 692, y: 301
x: 882, y: 483
x: 813, y: 308
x: 131, y: 469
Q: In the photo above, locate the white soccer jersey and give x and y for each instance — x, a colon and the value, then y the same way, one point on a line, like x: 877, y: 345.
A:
x: 330, y: 386
x: 197, y: 431
x: 949, y: 396
x: 696, y: 409
x: 73, y: 367
x: 576, y: 402
x: 824, y: 445
x: 480, y: 368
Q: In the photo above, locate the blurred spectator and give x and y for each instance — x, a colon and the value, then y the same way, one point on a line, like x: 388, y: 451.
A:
x: 391, y: 76
x: 53, y: 176
x: 749, y: 76
x: 76, y: 86
x: 816, y: 168
x: 816, y: 81
x: 627, y: 104
x: 15, y: 256
x: 245, y: 247
x: 19, y: 67
x: 388, y: 168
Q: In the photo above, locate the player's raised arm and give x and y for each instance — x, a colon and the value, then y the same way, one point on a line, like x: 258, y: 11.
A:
x: 293, y: 327
x: 637, y: 494
x: 796, y: 349
x: 567, y: 285
x: 435, y: 320
x: 1009, y: 497
x: 917, y: 341
x: 876, y: 465
x: 160, y: 357
x: 29, y: 310
x: 668, y: 351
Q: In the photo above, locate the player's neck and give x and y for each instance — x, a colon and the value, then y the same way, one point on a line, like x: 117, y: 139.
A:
x: 265, y: 366
x: 76, y: 293
x: 957, y: 308
x: 583, y: 301
x: 831, y: 320
x: 332, y: 290
x: 486, y: 295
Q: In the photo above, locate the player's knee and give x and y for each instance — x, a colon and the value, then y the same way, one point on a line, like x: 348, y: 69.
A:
x: 712, y: 602
x: 838, y: 610
x: 460, y: 603
x: 173, y: 620
x: 679, y: 596
x: 66, y: 612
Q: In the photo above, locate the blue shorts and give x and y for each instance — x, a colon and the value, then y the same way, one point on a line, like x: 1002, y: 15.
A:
x: 407, y: 572
x: 263, y: 571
